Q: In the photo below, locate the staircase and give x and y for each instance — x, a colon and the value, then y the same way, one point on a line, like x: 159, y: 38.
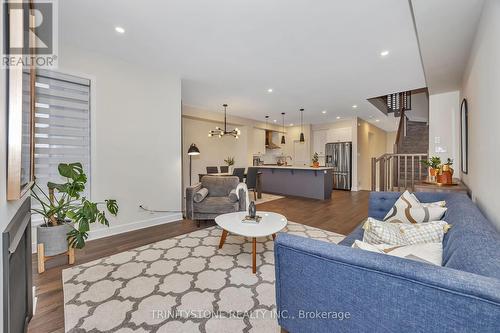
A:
x: 416, y: 138
x: 401, y: 170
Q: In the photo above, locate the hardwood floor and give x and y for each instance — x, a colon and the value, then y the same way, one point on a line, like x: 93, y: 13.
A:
x: 341, y: 214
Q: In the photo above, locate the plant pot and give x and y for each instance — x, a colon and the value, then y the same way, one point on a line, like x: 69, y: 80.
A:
x: 315, y: 164
x: 53, y: 238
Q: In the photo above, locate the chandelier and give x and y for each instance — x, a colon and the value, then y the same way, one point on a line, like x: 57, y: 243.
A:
x: 223, y: 132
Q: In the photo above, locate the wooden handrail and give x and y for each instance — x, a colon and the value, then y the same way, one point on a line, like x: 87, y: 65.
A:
x: 400, y: 130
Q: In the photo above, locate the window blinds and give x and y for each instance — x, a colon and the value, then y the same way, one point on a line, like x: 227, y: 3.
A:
x: 62, y: 125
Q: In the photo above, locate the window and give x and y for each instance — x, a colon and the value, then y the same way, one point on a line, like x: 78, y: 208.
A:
x: 62, y: 125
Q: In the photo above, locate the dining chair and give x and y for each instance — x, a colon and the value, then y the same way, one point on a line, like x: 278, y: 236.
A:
x: 224, y: 169
x: 252, y: 181
x: 240, y: 172
x: 212, y: 169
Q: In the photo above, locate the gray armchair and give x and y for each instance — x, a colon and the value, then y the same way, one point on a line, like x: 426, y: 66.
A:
x: 218, y: 198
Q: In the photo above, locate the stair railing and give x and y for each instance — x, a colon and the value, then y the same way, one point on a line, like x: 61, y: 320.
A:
x: 402, y: 128
x: 397, y: 172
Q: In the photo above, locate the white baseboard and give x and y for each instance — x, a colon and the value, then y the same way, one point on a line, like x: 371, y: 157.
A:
x: 122, y: 228
x: 119, y: 229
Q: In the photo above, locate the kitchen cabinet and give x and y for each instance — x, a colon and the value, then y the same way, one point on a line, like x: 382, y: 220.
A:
x: 259, y: 142
x: 339, y: 135
x: 319, y: 141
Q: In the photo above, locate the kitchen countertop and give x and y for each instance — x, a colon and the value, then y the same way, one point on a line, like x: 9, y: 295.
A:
x: 291, y: 167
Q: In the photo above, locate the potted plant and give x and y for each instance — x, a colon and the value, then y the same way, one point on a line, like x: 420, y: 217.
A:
x: 315, y: 160
x: 230, y: 162
x: 433, y: 164
x: 67, y: 214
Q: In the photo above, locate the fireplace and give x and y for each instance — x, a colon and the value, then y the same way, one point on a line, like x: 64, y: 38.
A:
x: 17, y: 286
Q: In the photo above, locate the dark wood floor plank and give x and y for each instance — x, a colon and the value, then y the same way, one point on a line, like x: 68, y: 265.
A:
x: 341, y: 214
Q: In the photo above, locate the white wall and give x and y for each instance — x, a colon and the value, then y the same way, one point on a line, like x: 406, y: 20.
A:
x: 196, y: 122
x: 481, y: 87
x: 444, y: 127
x: 419, y: 107
x: 136, y: 138
x: 391, y: 140
x: 213, y: 150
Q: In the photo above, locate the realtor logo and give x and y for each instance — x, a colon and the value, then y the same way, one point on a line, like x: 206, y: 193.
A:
x: 31, y: 34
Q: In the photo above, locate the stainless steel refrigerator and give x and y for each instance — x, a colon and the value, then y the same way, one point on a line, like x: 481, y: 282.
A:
x: 339, y: 156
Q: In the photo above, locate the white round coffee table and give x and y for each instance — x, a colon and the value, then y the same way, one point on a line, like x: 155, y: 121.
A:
x: 270, y: 224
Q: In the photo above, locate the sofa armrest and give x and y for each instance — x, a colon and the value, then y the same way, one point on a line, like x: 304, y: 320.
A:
x: 190, y: 192
x: 324, y: 287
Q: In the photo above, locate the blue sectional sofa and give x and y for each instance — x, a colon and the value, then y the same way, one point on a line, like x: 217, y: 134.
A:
x: 323, y: 287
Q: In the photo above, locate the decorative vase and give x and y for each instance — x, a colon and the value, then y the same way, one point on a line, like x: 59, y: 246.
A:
x: 432, y: 174
x: 53, y: 238
x: 315, y: 164
x: 252, y: 210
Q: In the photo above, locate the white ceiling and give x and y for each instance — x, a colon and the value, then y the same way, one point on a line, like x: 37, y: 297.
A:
x: 320, y: 55
x: 446, y: 30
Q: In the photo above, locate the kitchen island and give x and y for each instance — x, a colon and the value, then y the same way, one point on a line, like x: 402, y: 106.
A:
x: 300, y: 181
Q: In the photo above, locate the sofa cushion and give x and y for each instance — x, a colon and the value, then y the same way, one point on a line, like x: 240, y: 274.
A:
x: 219, y: 186
x: 430, y: 253
x: 200, y: 195
x: 216, y: 205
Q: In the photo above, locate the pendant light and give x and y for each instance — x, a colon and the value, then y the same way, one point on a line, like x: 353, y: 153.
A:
x: 223, y: 132
x: 267, y: 138
x: 302, y: 139
x: 283, y: 136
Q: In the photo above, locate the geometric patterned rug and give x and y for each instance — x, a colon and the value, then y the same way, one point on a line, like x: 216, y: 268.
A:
x: 180, y: 284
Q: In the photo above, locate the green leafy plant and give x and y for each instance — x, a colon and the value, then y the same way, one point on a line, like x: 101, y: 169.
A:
x: 449, y: 162
x: 434, y: 162
x: 315, y: 158
x: 68, y: 204
x: 229, y: 161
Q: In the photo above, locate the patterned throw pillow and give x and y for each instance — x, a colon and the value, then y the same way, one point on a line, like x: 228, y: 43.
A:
x: 379, y: 232
x: 430, y: 204
x: 408, y: 209
x: 431, y: 253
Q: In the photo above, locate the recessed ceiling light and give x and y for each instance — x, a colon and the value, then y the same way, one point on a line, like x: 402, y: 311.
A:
x: 270, y: 90
x: 323, y: 112
x: 377, y: 120
x: 120, y: 30
x: 354, y: 106
x: 384, y: 53
x: 275, y: 120
x: 338, y: 117
x: 291, y: 124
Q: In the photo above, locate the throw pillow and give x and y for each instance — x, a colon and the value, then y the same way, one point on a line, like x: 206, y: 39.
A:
x: 379, y: 232
x: 431, y: 253
x: 431, y: 204
x: 233, y: 197
x: 200, y: 195
x: 408, y: 209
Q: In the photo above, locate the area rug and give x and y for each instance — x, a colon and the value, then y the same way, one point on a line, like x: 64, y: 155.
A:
x: 266, y: 197
x: 182, y: 284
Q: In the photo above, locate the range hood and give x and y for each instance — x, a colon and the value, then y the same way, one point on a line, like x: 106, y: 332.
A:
x: 269, y: 140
